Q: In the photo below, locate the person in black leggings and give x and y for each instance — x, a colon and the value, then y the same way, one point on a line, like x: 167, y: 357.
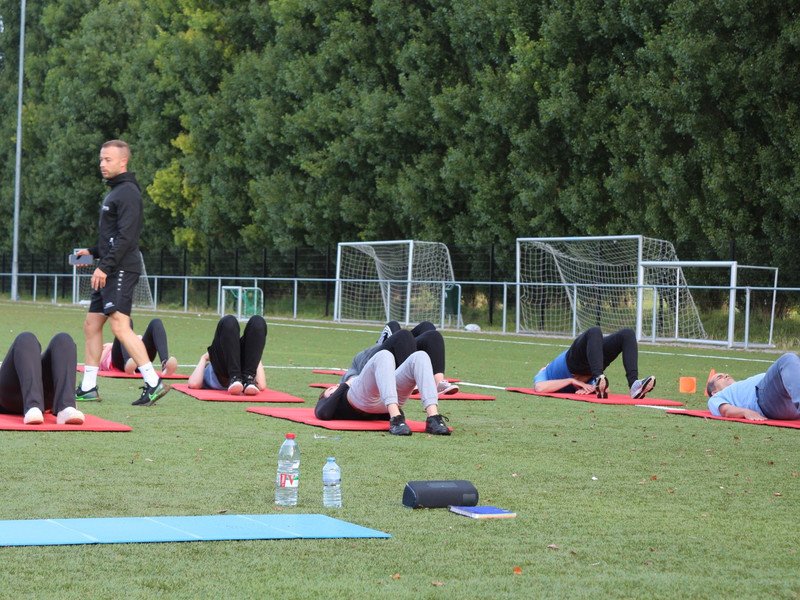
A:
x: 233, y: 362
x: 154, y: 338
x: 32, y: 382
x: 580, y: 368
x: 428, y: 339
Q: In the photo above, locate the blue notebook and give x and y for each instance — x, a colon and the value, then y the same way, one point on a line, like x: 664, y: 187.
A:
x: 483, y: 512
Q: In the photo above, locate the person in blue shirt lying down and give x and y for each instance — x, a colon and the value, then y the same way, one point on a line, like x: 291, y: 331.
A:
x: 580, y: 368
x: 771, y: 395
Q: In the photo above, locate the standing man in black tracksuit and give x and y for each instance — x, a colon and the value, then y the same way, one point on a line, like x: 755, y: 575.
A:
x: 116, y: 275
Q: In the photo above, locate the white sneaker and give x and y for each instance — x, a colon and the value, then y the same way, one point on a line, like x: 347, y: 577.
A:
x: 34, y: 416
x: 250, y: 387
x: 445, y: 388
x: 235, y: 387
x: 70, y: 416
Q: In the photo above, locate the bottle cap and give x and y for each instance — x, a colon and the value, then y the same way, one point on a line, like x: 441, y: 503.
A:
x: 289, y: 436
x: 331, y: 459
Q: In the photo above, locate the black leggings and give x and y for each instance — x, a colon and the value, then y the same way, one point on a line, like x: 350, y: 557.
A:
x: 30, y: 378
x: 237, y: 357
x: 423, y: 337
x: 336, y: 407
x: 591, y: 353
x: 154, y: 339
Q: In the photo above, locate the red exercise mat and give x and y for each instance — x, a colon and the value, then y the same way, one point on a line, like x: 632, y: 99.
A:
x: 306, y: 415
x: 457, y: 396
x: 92, y: 423
x: 619, y: 399
x: 136, y: 375
x: 706, y: 414
x: 266, y: 395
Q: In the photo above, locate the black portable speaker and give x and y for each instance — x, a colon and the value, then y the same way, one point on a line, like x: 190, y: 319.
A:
x: 439, y: 494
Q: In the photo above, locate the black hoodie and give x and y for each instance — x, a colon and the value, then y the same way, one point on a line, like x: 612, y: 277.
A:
x: 120, y: 226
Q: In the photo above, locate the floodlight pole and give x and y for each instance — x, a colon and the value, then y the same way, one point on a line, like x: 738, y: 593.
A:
x: 17, y: 168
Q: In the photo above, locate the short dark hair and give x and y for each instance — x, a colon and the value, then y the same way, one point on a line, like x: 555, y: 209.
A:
x: 711, y: 387
x: 118, y: 144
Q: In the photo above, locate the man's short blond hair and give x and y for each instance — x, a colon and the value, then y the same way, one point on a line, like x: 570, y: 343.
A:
x: 119, y: 144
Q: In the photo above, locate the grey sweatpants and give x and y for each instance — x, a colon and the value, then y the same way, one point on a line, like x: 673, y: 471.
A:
x: 381, y: 383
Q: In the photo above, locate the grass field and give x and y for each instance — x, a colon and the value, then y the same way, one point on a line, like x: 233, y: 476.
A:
x: 622, y: 502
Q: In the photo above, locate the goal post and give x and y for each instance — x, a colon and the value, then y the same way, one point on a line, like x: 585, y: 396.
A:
x: 566, y: 284
x: 401, y: 280
x: 242, y: 302
x: 82, y: 287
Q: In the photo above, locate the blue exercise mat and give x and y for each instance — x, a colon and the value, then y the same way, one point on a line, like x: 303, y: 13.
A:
x: 127, y: 530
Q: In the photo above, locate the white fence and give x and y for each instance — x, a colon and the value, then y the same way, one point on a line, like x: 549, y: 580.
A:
x: 313, y: 298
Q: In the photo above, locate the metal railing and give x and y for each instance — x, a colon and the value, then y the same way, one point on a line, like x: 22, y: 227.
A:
x: 304, y: 297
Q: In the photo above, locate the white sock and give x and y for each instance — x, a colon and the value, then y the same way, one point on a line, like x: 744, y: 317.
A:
x: 89, y: 377
x: 149, y: 374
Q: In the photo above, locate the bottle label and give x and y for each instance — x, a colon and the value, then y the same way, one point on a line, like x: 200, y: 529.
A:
x: 285, y: 480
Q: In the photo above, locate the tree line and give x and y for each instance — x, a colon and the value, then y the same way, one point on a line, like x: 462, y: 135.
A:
x: 470, y: 122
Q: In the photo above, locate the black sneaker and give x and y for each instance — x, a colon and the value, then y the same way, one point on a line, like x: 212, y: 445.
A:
x: 601, y: 386
x: 435, y: 425
x: 93, y: 395
x: 398, y: 425
x: 150, y: 395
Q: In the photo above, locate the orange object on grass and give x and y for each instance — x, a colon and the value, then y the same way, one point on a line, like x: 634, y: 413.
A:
x: 687, y: 385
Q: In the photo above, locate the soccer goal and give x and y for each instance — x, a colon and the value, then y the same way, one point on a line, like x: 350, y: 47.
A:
x: 242, y: 302
x: 566, y: 285
x: 406, y: 281
x: 82, y: 287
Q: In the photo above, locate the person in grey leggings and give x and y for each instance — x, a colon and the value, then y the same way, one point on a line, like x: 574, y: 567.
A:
x: 378, y: 384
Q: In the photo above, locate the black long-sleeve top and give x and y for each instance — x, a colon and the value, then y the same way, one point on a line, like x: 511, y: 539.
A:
x: 120, y: 226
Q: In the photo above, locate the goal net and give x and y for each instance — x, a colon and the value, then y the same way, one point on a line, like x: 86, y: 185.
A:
x: 406, y: 281
x: 566, y: 285
x: 242, y: 302
x: 82, y: 287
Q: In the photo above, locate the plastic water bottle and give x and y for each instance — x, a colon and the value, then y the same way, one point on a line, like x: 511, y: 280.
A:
x: 331, y: 484
x: 288, y: 477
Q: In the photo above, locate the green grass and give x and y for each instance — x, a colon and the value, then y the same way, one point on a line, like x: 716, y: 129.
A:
x: 680, y: 507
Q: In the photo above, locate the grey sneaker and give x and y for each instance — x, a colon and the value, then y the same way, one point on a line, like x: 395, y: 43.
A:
x: 93, y: 395
x: 446, y: 388
x: 641, y: 387
x: 398, y: 425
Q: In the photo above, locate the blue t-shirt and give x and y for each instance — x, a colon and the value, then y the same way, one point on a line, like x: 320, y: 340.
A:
x: 556, y: 369
x: 741, y: 394
x: 210, y: 381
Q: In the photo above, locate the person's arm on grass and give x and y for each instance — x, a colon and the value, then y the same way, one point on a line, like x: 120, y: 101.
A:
x: 734, y: 412
x: 196, y: 378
